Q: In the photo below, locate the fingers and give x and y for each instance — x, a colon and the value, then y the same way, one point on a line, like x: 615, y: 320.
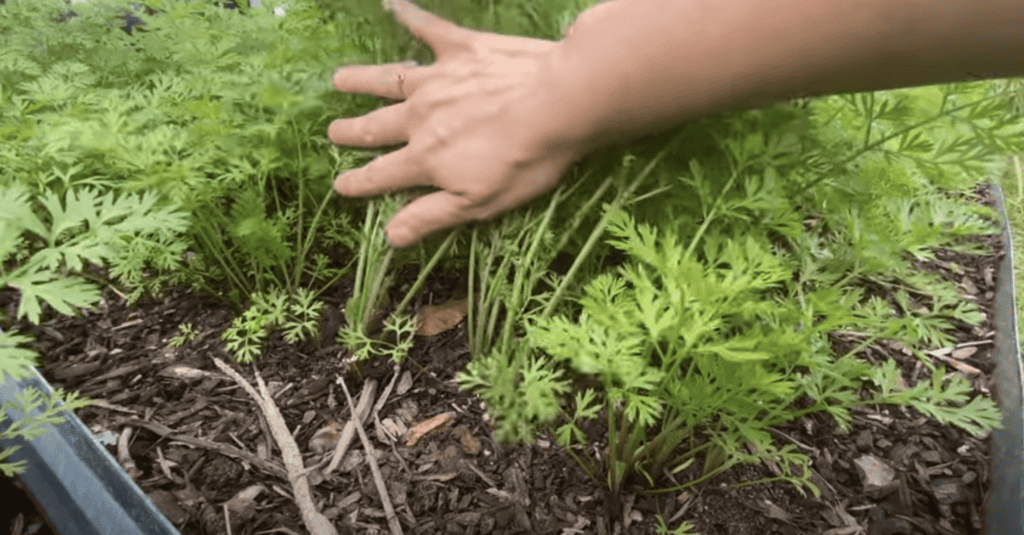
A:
x: 439, y: 34
x: 392, y: 80
x: 379, y: 128
x: 392, y: 172
x: 425, y: 216
x: 442, y: 209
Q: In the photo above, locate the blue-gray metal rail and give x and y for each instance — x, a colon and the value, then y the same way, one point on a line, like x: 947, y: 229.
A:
x: 1005, y: 515
x: 78, y: 483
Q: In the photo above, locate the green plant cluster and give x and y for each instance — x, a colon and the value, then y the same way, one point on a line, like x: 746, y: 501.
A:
x: 684, y: 289
x: 192, y: 152
x: 47, y: 244
x: 220, y: 112
x: 770, y: 231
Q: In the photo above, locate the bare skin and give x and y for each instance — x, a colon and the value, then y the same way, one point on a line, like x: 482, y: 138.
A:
x: 496, y: 120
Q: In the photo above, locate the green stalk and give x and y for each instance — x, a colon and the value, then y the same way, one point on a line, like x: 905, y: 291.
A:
x: 482, y: 301
x: 422, y: 277
x: 223, y: 257
x: 598, y: 231
x: 884, y: 139
x: 587, y: 468
x: 585, y: 209
x: 373, y: 297
x: 499, y: 284
x: 301, y: 260
x: 707, y: 219
x: 495, y: 303
x: 612, y: 453
x: 871, y: 117
x: 1020, y: 178
x: 694, y: 482
x: 312, y: 226
x: 471, y: 303
x: 522, y: 275
x: 489, y: 312
x: 364, y: 248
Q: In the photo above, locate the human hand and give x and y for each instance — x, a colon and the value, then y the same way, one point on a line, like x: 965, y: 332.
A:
x: 477, y: 123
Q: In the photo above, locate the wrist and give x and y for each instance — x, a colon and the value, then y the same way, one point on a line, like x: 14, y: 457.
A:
x: 620, y: 74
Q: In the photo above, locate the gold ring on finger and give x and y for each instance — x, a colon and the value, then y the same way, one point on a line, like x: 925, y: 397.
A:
x: 401, y: 84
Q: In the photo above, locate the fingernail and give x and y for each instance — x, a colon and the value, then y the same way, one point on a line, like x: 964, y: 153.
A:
x: 388, y: 5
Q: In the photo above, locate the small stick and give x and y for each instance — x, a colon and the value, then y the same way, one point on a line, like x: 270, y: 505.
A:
x: 227, y: 518
x: 348, y: 433
x: 124, y: 456
x: 387, y: 391
x: 223, y: 449
x: 378, y: 479
x: 315, y: 522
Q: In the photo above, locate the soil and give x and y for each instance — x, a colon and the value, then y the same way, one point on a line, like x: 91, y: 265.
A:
x: 199, y: 440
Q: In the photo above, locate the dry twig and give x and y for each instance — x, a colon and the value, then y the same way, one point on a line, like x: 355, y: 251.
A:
x: 223, y: 449
x: 315, y: 522
x: 360, y: 412
x: 378, y: 479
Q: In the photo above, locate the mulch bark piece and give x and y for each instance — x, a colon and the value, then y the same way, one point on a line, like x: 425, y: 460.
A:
x: 199, y: 440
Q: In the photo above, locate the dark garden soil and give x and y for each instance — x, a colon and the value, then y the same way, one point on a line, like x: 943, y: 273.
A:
x: 199, y: 440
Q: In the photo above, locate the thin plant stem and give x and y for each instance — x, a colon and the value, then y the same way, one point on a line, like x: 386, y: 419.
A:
x: 521, y: 284
x: 377, y: 285
x: 470, y: 302
x: 316, y: 221
x: 364, y: 248
x: 707, y: 219
x: 301, y: 260
x: 585, y: 209
x: 1020, y: 178
x: 598, y: 230
x: 881, y: 141
x: 422, y: 277
x: 223, y: 257
x: 871, y: 118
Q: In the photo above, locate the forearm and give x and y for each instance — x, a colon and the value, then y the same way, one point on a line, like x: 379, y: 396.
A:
x: 634, y: 67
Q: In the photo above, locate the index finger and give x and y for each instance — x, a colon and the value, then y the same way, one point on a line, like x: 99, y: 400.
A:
x: 439, y: 34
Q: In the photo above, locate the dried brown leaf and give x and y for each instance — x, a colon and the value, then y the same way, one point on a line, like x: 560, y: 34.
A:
x: 423, y: 428
x: 436, y: 319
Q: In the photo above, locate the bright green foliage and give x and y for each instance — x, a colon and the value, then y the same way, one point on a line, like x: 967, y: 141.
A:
x: 939, y: 399
x: 15, y: 359
x: 297, y: 315
x: 15, y: 363
x: 47, y: 243
x: 694, y: 324
x: 685, y: 528
x: 374, y: 274
x: 220, y: 111
x: 769, y: 231
x: 186, y: 333
x: 52, y: 412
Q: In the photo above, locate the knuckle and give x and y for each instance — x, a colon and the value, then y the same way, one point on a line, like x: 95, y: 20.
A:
x: 362, y: 134
x: 483, y: 211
